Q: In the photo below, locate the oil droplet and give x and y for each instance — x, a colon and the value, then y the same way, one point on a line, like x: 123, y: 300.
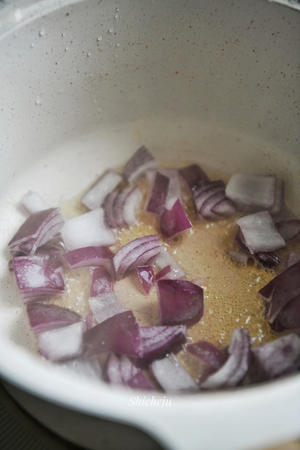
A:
x: 88, y: 54
x: 42, y: 33
x: 38, y: 101
x: 66, y: 49
x: 63, y: 34
x: 99, y: 38
x: 110, y: 30
x: 32, y: 45
x: 118, y: 44
x: 116, y: 16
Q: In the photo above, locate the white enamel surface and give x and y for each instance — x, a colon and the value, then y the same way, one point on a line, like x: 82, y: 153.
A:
x: 214, y: 82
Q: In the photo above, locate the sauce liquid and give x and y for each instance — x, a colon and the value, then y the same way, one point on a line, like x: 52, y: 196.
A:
x: 231, y: 298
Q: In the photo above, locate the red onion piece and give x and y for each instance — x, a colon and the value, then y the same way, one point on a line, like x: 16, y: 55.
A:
x: 62, y: 343
x: 172, y: 376
x: 37, y: 277
x: 174, y: 189
x: 87, y: 230
x: 123, y: 371
x: 281, y: 290
x: 140, y: 251
x: 252, y: 191
x: 163, y: 273
x: 236, y: 366
x: 193, y: 175
x: 293, y: 258
x: 138, y: 164
x: 104, y: 306
x: 158, y: 195
x: 224, y: 208
x: 204, y: 191
x: 109, y: 211
x: 208, y: 353
x: 211, y: 202
x: 37, y: 230
x: 157, y: 341
x: 89, y: 320
x: 132, y: 205
x: 84, y: 367
x: 33, y: 202
x: 289, y: 317
x: 47, y: 317
x: 89, y: 256
x: 145, y: 276
x: 101, y: 282
x: 278, y: 357
x: 289, y: 228
x: 164, y: 261
x: 180, y: 302
x: 118, y: 334
x: 174, y: 221
x: 118, y: 207
x: 107, y: 183
x: 268, y: 260
x: 259, y: 232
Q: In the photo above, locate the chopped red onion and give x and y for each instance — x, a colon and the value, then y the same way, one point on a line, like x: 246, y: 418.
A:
x: 293, y: 258
x: 164, y: 261
x: 138, y: 164
x: 174, y: 189
x: 239, y: 257
x: 121, y: 207
x: 268, y: 260
x: 157, y: 341
x: 37, y: 230
x: 87, y: 230
x: 281, y: 290
x: 89, y: 320
x: 180, y: 302
x: 132, y: 205
x: 84, y: 367
x: 109, y: 211
x: 278, y: 357
x: 236, y: 366
x: 47, y: 317
x: 118, y: 334
x: 118, y: 207
x: 33, y: 202
x: 37, y: 277
x: 174, y: 221
x: 101, y: 282
x: 289, y: 228
x: 193, y: 175
x: 140, y: 251
x: 158, y: 195
x: 208, y: 353
x: 259, y: 232
x: 89, y: 256
x: 104, y: 306
x: 211, y: 202
x: 172, y: 376
x: 62, y: 343
x: 252, y: 191
x: 145, y: 275
x: 163, y: 273
x: 123, y: 371
x: 289, y: 317
x: 107, y: 183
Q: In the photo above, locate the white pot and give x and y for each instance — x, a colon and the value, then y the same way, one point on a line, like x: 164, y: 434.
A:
x: 82, y: 85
